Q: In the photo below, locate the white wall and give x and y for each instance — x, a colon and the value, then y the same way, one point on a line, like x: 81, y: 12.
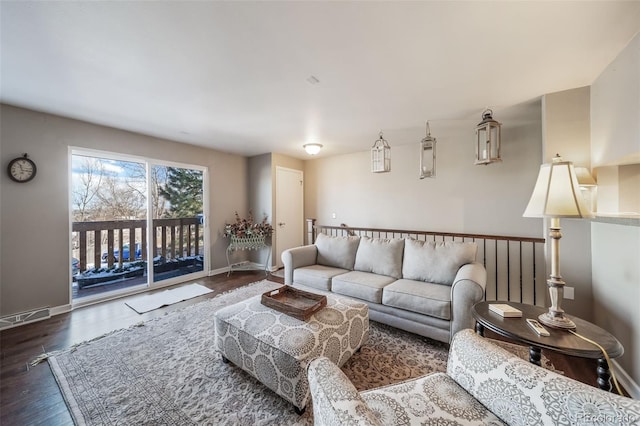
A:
x: 615, y: 130
x: 462, y: 197
x: 615, y: 110
x: 35, y: 216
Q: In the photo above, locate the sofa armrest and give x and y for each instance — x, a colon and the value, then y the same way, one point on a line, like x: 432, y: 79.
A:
x: 297, y: 257
x: 467, y: 289
x: 519, y: 392
x: 336, y: 401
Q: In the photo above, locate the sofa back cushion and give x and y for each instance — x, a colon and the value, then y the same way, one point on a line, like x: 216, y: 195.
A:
x: 436, y: 262
x: 380, y: 256
x: 338, y: 252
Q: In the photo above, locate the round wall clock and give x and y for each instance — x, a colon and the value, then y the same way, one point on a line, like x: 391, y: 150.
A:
x: 22, y: 169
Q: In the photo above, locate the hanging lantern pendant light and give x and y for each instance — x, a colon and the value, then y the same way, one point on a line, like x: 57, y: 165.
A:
x: 380, y: 156
x: 428, y: 155
x: 488, y: 139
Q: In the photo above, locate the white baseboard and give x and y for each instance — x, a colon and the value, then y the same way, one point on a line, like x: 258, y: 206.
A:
x: 62, y: 309
x: 36, y: 315
x: 218, y: 271
x: 252, y: 266
x: 625, y: 380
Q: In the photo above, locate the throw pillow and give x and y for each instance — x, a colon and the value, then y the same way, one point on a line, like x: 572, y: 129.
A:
x: 436, y: 262
x: 380, y: 256
x: 339, y: 252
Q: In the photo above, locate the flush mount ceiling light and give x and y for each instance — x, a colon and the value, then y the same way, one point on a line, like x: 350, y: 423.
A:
x: 312, y: 148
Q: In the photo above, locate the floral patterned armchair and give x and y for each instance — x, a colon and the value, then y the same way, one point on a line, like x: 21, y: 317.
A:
x: 484, y: 384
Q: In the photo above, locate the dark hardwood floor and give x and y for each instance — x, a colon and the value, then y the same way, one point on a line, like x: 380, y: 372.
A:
x: 30, y: 396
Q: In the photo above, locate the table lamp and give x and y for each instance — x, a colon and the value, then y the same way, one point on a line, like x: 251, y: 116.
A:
x: 556, y: 195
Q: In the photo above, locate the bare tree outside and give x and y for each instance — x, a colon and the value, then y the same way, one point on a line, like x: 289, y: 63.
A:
x: 90, y: 172
x: 99, y: 193
x: 103, y: 190
x: 158, y: 177
x: 158, y: 181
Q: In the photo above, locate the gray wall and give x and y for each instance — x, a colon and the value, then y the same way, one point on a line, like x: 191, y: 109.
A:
x: 34, y: 217
x: 260, y: 183
x: 262, y: 191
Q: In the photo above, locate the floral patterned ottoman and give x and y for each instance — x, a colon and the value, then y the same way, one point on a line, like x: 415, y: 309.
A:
x: 276, y: 348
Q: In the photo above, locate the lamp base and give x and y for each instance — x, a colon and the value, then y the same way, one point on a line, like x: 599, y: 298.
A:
x: 561, y: 321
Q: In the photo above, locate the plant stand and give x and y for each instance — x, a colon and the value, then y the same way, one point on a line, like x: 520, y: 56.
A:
x: 253, y: 242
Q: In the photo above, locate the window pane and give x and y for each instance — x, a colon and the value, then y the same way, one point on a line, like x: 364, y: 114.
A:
x: 109, y: 210
x: 177, y: 200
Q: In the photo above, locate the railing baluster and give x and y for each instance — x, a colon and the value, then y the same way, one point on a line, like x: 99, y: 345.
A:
x: 163, y: 241
x: 172, y: 231
x: 197, y: 241
x: 97, y: 237
x: 110, y: 248
x: 132, y: 243
x: 181, y: 239
x: 535, y: 281
x: 83, y: 250
x: 143, y: 243
x: 495, y: 244
x: 508, y: 272
x: 520, y: 262
x: 121, y: 248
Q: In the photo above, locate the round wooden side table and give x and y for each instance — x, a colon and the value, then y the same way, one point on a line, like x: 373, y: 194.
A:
x: 560, y: 341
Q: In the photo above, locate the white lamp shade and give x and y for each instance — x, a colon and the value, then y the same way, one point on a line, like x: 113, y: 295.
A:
x: 557, y: 193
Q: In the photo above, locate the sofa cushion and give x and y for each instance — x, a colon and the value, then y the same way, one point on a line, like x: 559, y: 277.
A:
x: 436, y: 262
x: 380, y: 256
x: 361, y: 285
x: 338, y: 252
x: 417, y: 296
x: 316, y: 276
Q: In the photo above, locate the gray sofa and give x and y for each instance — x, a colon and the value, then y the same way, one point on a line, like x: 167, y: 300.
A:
x: 483, y: 385
x: 426, y: 288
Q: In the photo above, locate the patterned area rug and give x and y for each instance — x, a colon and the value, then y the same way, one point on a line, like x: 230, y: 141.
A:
x: 166, y: 371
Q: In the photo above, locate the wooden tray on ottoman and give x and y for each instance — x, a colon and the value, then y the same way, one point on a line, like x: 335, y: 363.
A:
x: 291, y: 301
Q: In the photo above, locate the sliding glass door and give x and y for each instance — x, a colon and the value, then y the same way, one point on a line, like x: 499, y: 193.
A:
x: 135, y: 223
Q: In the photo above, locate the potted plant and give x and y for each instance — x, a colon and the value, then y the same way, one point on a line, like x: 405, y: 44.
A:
x: 247, y: 234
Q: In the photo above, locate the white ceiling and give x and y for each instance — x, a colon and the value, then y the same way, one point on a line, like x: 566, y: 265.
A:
x: 234, y: 75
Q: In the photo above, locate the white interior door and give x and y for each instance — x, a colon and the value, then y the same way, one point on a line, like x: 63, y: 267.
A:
x: 289, y: 223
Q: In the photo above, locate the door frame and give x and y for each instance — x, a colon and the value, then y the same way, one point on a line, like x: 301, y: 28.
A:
x: 150, y: 285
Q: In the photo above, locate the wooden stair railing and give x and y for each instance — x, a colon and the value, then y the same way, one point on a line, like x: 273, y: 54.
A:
x: 516, y: 267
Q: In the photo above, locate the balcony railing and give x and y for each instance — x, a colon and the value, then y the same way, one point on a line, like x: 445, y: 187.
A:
x: 172, y: 239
